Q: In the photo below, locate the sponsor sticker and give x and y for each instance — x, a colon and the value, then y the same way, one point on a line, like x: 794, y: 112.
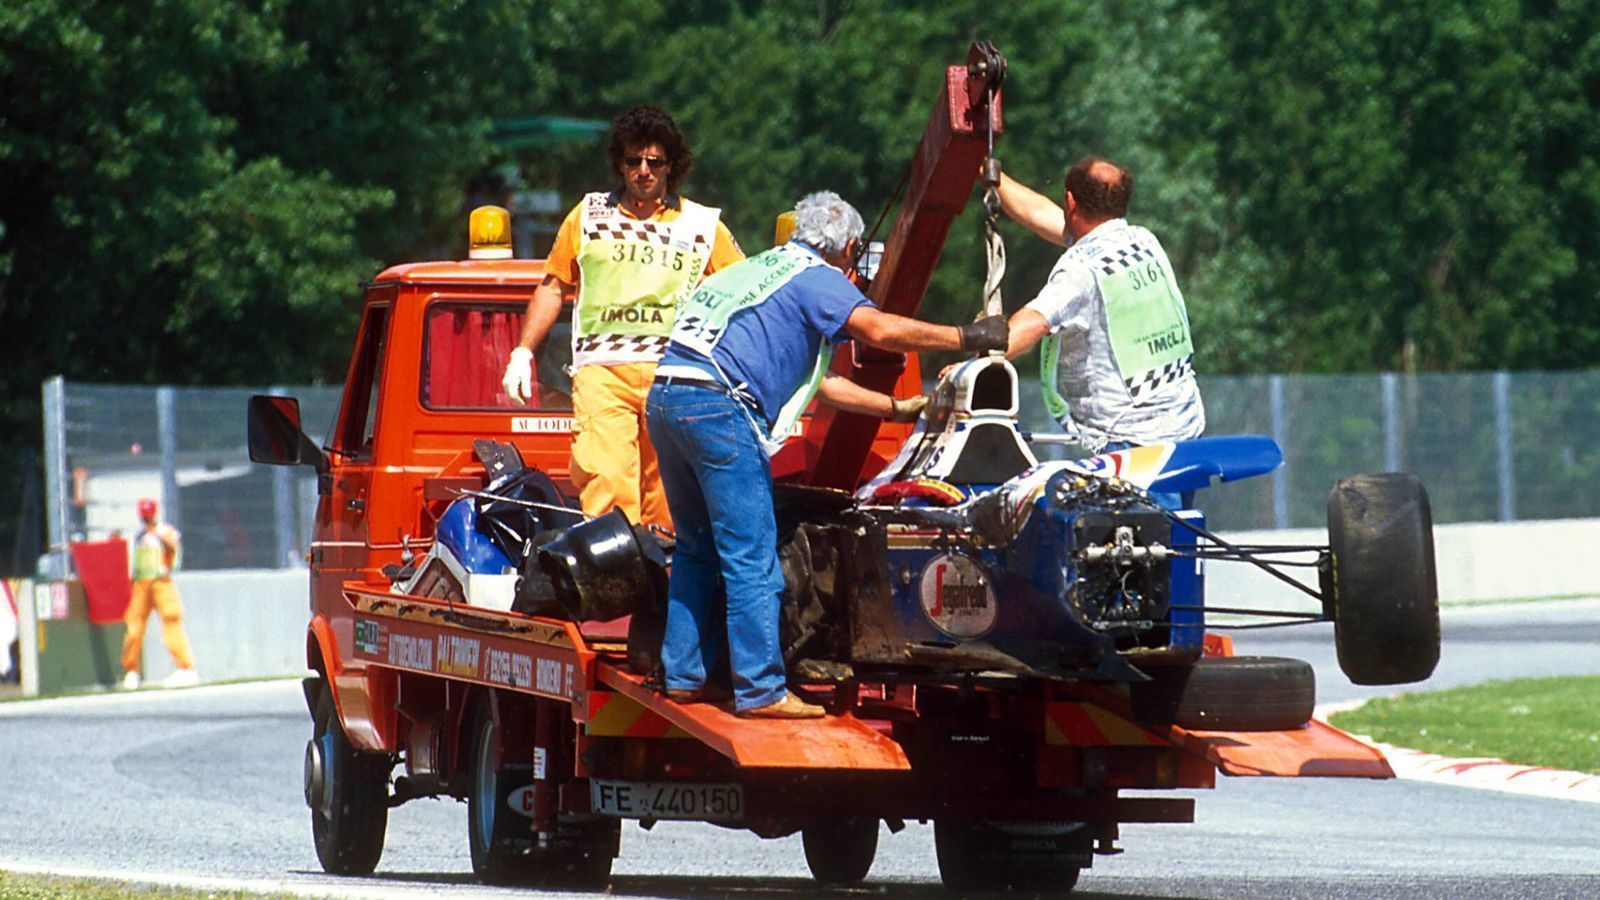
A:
x: 956, y: 596
x: 368, y: 636
x: 541, y: 424
x: 508, y: 668
x: 458, y: 655
x: 407, y: 652
x: 521, y: 800
x: 552, y: 677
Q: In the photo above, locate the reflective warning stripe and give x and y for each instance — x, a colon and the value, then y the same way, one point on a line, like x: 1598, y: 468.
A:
x: 613, y: 715
x: 1085, y: 724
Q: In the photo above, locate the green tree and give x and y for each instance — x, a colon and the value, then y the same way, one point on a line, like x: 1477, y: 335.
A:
x: 1414, y: 175
x: 191, y: 190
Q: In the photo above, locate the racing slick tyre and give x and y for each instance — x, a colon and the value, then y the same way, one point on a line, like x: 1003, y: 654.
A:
x: 1229, y: 693
x: 501, y: 841
x: 980, y: 857
x: 1382, y: 582
x: 348, y: 792
x: 840, y: 852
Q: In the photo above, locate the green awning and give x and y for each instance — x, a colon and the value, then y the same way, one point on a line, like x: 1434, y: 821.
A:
x: 545, y: 131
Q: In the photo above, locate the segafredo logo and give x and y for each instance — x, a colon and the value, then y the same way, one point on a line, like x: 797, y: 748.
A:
x: 956, y: 596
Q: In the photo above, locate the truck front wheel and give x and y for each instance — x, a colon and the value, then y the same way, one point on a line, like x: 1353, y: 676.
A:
x: 840, y: 852
x: 981, y: 857
x: 348, y: 792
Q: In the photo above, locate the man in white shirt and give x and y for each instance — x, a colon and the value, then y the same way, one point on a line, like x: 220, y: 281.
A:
x: 1118, y: 365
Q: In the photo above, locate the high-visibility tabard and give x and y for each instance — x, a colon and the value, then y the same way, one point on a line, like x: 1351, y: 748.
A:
x: 1144, y: 313
x: 709, y: 309
x: 633, y: 275
x: 1145, y: 317
x: 151, y: 556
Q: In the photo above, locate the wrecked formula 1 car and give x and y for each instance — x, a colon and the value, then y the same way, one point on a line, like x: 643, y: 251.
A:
x: 520, y: 545
x: 967, y: 557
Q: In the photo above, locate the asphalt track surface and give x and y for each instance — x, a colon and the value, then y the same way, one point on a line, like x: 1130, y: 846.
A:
x: 201, y: 788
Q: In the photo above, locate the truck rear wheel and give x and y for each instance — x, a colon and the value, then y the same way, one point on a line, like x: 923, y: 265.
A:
x: 1385, y: 594
x: 348, y: 792
x: 492, y: 829
x: 502, y: 842
x: 978, y: 857
x: 840, y: 852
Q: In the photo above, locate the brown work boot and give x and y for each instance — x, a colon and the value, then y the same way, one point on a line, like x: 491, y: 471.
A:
x: 787, y: 707
x: 702, y: 694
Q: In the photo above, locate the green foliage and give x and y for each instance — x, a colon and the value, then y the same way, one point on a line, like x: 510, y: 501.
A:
x: 1401, y: 164
x: 1535, y: 722
x: 1342, y: 186
x: 190, y: 191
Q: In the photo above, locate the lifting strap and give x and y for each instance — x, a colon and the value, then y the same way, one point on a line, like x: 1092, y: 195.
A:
x: 994, y: 247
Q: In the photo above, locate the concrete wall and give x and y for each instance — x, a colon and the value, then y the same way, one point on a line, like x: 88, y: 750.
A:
x: 243, y: 623
x: 252, y: 623
x: 1476, y: 562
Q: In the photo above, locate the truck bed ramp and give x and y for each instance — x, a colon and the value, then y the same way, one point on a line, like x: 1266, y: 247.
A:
x: 1314, y: 749
x: 835, y: 743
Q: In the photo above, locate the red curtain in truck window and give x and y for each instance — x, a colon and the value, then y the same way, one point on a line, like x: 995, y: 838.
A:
x: 465, y: 357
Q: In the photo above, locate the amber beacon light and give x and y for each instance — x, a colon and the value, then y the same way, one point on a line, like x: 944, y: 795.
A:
x: 489, y: 233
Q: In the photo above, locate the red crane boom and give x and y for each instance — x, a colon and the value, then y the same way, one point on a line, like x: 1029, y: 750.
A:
x: 945, y: 167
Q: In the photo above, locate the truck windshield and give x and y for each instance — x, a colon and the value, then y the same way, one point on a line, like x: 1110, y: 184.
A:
x: 465, y: 348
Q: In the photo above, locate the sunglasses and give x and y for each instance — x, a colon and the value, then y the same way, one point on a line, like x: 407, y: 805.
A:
x: 654, y: 162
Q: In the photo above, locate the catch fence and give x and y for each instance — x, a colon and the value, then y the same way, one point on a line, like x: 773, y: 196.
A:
x: 1495, y: 446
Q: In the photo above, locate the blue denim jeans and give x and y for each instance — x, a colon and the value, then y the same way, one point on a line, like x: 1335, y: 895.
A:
x: 719, y: 491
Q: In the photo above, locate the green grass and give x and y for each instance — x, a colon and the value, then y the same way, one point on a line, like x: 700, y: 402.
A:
x: 1498, y: 601
x: 49, y: 887
x: 1534, y: 721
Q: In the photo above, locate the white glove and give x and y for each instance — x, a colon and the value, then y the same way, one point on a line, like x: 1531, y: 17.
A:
x: 518, y: 380
x: 907, y: 409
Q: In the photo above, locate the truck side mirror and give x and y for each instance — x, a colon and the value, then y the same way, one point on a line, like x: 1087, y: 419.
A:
x: 274, y: 434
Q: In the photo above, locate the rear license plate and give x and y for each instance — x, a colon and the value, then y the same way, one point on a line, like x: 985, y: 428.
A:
x: 667, y: 800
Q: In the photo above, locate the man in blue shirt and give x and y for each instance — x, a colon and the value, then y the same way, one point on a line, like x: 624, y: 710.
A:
x: 749, y: 348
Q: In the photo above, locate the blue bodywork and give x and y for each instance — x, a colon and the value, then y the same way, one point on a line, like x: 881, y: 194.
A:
x: 1048, y: 607
x: 458, y: 531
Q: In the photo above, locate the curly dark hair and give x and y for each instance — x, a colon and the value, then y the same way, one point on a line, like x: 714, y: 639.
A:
x: 651, y: 125
x: 1101, y: 187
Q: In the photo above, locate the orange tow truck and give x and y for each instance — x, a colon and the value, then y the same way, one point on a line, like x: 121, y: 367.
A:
x: 539, y: 722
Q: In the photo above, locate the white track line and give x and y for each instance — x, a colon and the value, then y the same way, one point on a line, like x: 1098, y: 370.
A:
x: 144, y: 695
x: 375, y: 889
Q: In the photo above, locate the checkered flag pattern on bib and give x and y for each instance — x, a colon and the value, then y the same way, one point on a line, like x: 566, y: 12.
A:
x: 1124, y: 258
x: 1153, y: 380
x: 697, y: 326
x: 618, y: 228
x: 620, y: 343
